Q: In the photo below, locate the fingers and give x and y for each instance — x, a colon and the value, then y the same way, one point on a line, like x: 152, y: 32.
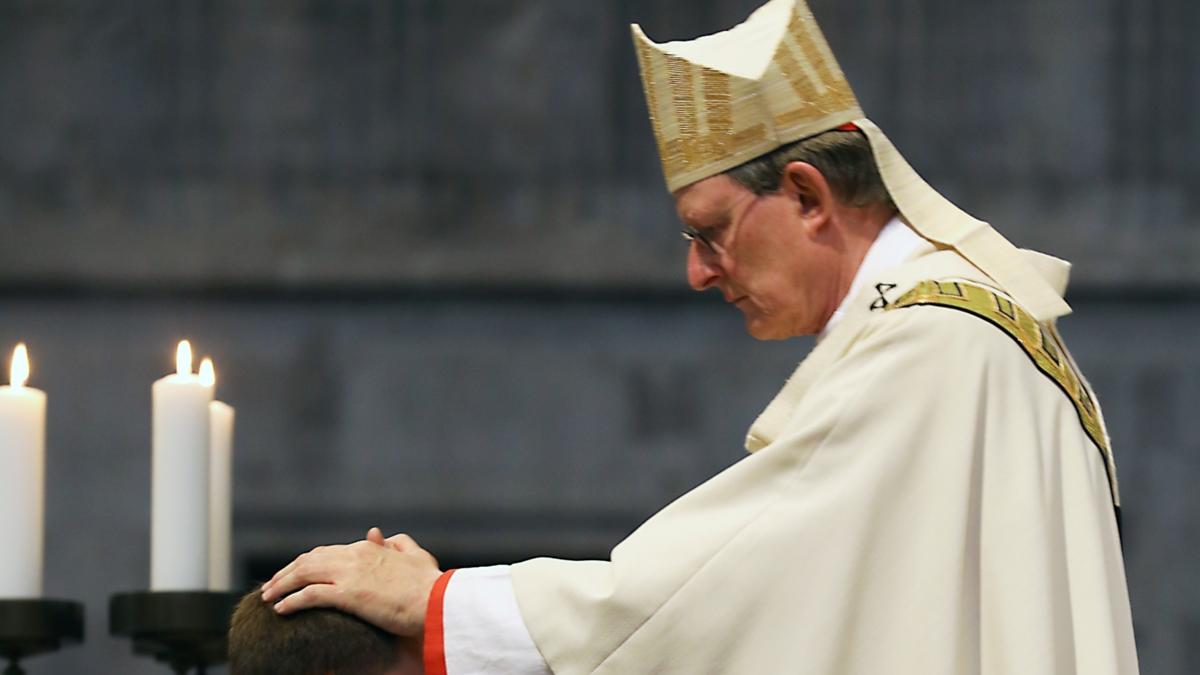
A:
x: 314, y: 567
x: 402, y: 542
x: 406, y: 544
x: 387, y: 585
x: 309, y: 568
x: 313, y: 595
x: 287, y: 569
x: 399, y: 542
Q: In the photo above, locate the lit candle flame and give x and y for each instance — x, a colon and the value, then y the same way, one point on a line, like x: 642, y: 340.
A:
x: 183, y: 358
x: 19, y: 372
x: 208, y: 376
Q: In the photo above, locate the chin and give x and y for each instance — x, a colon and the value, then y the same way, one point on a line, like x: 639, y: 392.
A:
x: 765, y: 330
x: 776, y: 328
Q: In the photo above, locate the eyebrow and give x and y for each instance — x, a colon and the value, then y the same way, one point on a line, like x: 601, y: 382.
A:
x: 705, y: 223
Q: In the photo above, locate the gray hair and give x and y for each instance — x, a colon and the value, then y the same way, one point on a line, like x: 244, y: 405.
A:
x: 844, y: 158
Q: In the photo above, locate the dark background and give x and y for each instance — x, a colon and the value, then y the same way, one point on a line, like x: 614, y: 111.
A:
x: 429, y: 247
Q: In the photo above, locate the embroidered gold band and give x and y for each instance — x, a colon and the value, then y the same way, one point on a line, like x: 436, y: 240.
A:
x: 1039, y: 340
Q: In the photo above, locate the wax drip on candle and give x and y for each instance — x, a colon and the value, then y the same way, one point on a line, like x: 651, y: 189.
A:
x: 208, y: 376
x: 19, y: 370
x: 183, y: 358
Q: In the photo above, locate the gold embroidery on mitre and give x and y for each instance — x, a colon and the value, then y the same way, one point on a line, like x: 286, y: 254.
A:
x: 706, y: 121
x: 645, y: 58
x: 718, y: 95
x: 1040, y: 342
x: 683, y: 104
x: 814, y: 75
x: 703, y: 119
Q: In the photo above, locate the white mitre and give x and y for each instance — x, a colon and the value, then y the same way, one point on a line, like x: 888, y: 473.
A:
x: 724, y: 99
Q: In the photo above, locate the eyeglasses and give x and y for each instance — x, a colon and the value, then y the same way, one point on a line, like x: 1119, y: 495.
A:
x: 708, y: 248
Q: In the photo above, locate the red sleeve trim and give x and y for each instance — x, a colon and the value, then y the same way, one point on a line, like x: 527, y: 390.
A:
x: 434, y: 650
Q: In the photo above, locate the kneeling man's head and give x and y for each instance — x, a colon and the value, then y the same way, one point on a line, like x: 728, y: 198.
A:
x: 312, y: 642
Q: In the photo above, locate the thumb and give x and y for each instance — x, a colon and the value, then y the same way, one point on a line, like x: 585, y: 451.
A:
x: 402, y: 542
x: 375, y: 536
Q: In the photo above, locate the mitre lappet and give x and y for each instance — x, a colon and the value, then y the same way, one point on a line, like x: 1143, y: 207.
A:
x: 723, y: 99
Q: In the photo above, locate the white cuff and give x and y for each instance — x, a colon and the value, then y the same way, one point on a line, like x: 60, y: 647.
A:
x: 482, y: 626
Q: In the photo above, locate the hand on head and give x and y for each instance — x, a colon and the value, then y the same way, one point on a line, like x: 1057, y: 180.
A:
x: 383, y: 581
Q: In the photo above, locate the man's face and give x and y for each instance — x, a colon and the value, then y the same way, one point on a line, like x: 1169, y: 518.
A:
x: 769, y: 256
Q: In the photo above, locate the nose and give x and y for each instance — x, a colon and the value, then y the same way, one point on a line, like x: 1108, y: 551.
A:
x: 702, y: 272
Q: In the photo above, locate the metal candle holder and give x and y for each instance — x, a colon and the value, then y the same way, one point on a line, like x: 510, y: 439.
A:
x: 35, y: 626
x: 185, y: 629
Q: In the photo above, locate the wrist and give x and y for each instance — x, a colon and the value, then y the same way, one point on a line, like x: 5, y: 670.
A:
x: 425, y: 597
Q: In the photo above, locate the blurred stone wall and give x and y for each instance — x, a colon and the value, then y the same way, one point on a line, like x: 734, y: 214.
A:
x: 226, y: 142
x: 428, y: 245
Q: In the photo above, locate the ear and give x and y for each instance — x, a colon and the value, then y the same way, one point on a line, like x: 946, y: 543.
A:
x: 809, y: 192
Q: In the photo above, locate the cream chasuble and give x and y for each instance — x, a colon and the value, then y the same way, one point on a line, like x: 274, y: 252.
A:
x: 932, y: 491
x: 926, y: 495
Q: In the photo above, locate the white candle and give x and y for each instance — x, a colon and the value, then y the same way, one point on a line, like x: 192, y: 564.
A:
x: 220, y: 492
x: 179, y: 474
x: 22, y: 482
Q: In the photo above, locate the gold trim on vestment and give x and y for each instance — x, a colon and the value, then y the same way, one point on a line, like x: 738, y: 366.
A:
x: 1039, y: 340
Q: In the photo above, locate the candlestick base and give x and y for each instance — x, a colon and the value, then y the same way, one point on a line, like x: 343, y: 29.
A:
x: 185, y: 629
x: 34, y: 626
